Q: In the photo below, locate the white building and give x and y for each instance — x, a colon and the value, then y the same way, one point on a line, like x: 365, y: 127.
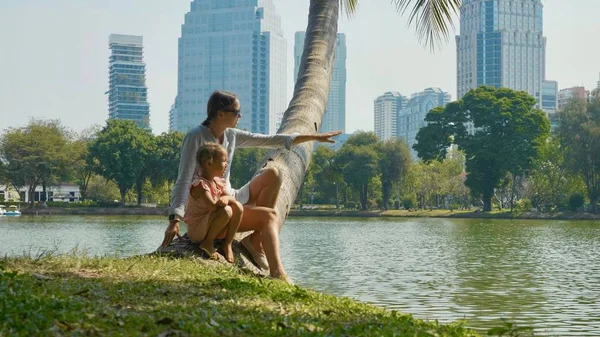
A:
x: 386, y: 109
x: 237, y: 46
x: 412, y: 117
x: 564, y: 95
x: 335, y: 112
x: 64, y: 192
x: 501, y: 44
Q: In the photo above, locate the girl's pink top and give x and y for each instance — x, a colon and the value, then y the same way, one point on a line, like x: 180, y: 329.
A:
x: 197, y: 211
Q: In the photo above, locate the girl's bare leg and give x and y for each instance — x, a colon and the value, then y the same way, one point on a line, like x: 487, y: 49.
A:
x: 232, y: 228
x: 222, y: 217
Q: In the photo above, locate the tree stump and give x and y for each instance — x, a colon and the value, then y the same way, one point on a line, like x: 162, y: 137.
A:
x: 185, y: 248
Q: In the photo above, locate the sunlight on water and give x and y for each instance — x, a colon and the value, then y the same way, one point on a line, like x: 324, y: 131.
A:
x: 534, y: 273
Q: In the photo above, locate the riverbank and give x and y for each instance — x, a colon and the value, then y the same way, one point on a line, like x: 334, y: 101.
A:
x: 127, y: 210
x: 156, y: 296
x: 130, y: 210
x: 460, y: 214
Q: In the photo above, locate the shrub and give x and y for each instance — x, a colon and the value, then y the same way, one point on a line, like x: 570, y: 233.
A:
x: 576, y: 201
x: 350, y: 205
x: 408, y: 202
x: 524, y: 205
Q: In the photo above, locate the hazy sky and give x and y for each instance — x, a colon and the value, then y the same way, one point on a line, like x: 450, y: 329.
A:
x: 54, y: 55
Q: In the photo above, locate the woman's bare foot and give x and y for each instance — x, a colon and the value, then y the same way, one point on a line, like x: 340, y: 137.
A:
x: 228, y: 252
x: 284, y: 277
x: 208, y: 249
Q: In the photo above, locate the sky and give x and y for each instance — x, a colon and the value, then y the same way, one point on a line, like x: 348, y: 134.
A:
x: 54, y: 55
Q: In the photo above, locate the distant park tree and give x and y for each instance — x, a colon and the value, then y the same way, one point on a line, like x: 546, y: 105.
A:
x: 358, y: 159
x: 35, y: 155
x: 579, y: 134
x: 165, y: 160
x: 245, y: 163
x: 327, y: 175
x: 508, y: 133
x: 551, y: 180
x: 393, y: 166
x: 120, y: 151
x: 82, y: 165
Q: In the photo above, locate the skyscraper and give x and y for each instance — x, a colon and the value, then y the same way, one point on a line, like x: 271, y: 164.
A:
x: 501, y: 44
x: 335, y: 113
x: 411, y: 117
x: 173, y: 117
x: 237, y: 46
x: 386, y: 109
x: 127, y: 91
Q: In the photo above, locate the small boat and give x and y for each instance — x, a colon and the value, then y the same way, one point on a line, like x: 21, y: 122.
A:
x: 12, y: 211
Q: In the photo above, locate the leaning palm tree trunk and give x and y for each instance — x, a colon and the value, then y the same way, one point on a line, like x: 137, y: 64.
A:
x: 306, y: 110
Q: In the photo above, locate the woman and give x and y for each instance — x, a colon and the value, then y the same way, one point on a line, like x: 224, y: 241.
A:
x: 258, y: 196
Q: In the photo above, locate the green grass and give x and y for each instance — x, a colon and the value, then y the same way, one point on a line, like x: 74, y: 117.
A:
x: 74, y: 295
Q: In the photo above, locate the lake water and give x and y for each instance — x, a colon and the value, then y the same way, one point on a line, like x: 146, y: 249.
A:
x: 543, y: 274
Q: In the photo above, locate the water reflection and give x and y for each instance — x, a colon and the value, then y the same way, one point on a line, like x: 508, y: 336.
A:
x: 535, y: 273
x: 501, y: 271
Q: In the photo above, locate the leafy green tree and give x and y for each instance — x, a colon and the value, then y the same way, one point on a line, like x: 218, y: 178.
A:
x: 82, y: 165
x: 165, y: 159
x: 508, y: 133
x: 36, y: 154
x: 550, y: 182
x: 245, y: 163
x: 161, y: 155
x: 102, y: 190
x: 393, y: 166
x: 576, y: 201
x: 327, y: 177
x: 3, y: 173
x: 147, y: 152
x: 579, y: 134
x: 121, y: 151
x: 358, y: 160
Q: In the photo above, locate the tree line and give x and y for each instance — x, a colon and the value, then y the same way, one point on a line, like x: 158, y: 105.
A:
x: 492, y: 148
x: 106, y: 163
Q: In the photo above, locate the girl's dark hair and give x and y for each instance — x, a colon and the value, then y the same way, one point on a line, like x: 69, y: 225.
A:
x: 208, y: 151
x: 219, y: 100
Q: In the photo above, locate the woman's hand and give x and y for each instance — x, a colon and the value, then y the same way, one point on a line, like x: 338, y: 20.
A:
x: 319, y: 137
x: 170, y: 232
x: 326, y: 137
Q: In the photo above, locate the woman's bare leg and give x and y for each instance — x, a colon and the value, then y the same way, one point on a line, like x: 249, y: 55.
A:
x: 264, y: 219
x: 264, y: 190
x: 222, y: 217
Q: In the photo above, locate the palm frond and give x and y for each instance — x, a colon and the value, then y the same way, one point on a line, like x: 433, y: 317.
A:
x: 432, y: 18
x: 349, y: 6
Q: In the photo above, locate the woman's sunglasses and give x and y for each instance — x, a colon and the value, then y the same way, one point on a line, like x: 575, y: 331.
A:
x: 237, y: 111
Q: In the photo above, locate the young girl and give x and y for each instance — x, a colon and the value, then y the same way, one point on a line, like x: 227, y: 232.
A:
x: 210, y: 211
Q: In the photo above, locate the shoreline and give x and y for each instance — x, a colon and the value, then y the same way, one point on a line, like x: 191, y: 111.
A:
x: 152, y: 296
x: 458, y: 214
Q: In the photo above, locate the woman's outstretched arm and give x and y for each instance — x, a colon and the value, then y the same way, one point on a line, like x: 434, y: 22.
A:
x: 319, y: 137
